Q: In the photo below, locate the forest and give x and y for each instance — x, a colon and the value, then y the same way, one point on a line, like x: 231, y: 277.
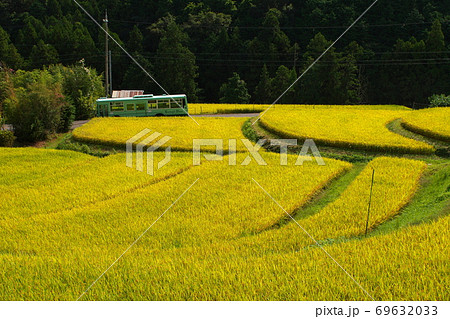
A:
x: 398, y: 53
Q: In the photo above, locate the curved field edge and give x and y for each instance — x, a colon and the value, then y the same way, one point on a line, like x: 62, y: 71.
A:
x: 431, y: 201
x: 115, y: 132
x: 210, y: 213
x: 346, y: 216
x: 33, y: 163
x: 386, y: 266
x: 396, y: 127
x: 330, y: 193
x: 426, y: 149
x: 425, y: 132
x: 250, y: 268
x: 95, y: 181
x: 431, y: 122
x: 323, y: 197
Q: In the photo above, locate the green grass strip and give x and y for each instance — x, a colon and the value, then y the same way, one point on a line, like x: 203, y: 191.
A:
x: 431, y: 201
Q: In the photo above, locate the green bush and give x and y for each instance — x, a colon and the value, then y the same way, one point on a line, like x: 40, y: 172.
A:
x: 6, y: 139
x: 249, y: 132
x: 234, y: 91
x: 439, y: 100
x: 38, y: 111
x: 83, y: 86
x: 82, y: 148
x: 67, y: 117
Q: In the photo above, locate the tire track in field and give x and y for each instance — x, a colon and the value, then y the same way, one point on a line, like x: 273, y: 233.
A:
x: 95, y: 202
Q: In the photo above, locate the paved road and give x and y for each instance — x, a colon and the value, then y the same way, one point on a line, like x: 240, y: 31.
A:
x: 76, y: 124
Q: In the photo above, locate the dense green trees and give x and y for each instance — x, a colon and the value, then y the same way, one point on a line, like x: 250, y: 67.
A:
x: 39, y: 103
x: 264, y: 91
x: 176, y: 69
x: 398, y: 52
x: 8, y: 52
x: 83, y: 87
x: 37, y: 109
x: 234, y: 91
x: 43, y: 54
x: 439, y: 100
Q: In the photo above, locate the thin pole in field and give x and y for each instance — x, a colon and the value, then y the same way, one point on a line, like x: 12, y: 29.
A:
x: 370, y: 201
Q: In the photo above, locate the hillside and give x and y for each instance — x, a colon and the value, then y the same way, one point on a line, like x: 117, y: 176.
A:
x: 397, y: 53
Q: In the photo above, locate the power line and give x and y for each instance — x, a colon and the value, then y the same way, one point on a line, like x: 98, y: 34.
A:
x: 181, y: 57
x: 293, y: 27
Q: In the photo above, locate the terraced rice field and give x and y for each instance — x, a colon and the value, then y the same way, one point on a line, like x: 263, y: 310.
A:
x: 351, y: 128
x: 429, y: 122
x: 182, y: 130
x: 220, y: 232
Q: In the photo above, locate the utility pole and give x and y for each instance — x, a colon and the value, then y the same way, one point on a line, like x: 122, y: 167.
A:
x: 110, y: 74
x: 106, y: 55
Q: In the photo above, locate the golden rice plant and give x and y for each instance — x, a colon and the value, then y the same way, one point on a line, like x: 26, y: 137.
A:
x: 183, y: 130
x: 225, y: 239
x: 395, y: 182
x: 202, y: 108
x: 343, y: 127
x: 210, y: 210
x: 399, y: 266
x: 96, y: 180
x: 432, y: 122
x: 24, y: 164
x: 402, y: 265
x: 409, y: 264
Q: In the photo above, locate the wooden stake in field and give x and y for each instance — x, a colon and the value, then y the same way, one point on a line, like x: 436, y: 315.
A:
x: 370, y: 201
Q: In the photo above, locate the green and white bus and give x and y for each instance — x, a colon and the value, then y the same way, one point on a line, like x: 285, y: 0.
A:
x: 143, y: 105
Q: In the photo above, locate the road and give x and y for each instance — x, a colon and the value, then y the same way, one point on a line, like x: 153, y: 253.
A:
x: 76, y: 124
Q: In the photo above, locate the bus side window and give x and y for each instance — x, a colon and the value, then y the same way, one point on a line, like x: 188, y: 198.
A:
x: 140, y: 107
x: 163, y: 104
x: 174, y: 104
x: 116, y: 106
x: 130, y: 107
x: 151, y: 105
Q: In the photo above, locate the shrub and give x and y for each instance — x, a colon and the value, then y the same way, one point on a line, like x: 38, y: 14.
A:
x: 81, y: 148
x: 438, y: 100
x: 6, y: 86
x: 67, y: 117
x: 234, y: 91
x: 83, y: 86
x: 6, y: 139
x: 35, y: 112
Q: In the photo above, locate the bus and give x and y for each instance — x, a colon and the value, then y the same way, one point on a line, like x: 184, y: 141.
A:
x: 143, y: 105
